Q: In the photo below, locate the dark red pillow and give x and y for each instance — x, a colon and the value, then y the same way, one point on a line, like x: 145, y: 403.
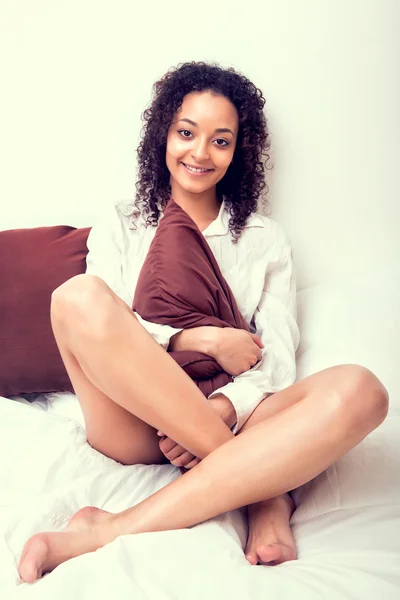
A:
x: 180, y: 284
x: 33, y: 263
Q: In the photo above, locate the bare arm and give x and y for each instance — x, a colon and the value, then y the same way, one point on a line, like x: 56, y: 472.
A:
x: 180, y: 457
x: 223, y: 345
x: 198, y: 339
x: 236, y: 350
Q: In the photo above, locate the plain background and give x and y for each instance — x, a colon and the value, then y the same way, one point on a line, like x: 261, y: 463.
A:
x: 77, y: 74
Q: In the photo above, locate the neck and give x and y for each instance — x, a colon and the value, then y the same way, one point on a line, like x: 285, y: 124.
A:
x: 200, y: 207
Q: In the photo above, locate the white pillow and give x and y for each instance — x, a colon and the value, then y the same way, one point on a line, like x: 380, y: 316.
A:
x: 353, y: 320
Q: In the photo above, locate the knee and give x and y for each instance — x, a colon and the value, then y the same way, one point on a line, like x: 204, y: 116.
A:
x: 363, y: 399
x: 82, y: 300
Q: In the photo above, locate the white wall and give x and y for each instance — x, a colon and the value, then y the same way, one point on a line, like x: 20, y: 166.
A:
x: 76, y: 75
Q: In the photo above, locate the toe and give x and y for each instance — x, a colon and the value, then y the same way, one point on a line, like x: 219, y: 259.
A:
x: 275, y: 554
x: 33, y: 558
x: 252, y: 558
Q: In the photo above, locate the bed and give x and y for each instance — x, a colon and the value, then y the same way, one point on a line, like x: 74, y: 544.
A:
x: 347, y: 520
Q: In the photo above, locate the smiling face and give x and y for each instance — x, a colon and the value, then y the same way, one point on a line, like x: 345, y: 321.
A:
x: 202, y: 136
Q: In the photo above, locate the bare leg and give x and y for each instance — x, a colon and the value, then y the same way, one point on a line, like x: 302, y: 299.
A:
x: 111, y: 429
x: 119, y: 434
x: 270, y: 539
x: 112, y: 360
x: 258, y: 464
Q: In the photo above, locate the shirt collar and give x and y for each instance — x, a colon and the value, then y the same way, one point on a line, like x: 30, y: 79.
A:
x: 220, y: 225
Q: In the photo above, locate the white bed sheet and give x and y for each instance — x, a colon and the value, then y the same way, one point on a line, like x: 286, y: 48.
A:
x: 347, y: 522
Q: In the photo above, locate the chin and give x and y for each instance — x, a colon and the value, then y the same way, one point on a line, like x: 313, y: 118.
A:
x: 194, y: 189
x: 195, y: 186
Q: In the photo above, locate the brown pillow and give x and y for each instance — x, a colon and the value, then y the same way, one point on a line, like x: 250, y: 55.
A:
x: 33, y: 263
x: 180, y: 284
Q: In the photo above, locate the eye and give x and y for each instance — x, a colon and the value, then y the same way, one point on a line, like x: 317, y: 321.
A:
x: 181, y: 131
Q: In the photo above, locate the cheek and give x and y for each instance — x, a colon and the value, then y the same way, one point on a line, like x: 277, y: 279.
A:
x: 175, y: 148
x: 224, y: 160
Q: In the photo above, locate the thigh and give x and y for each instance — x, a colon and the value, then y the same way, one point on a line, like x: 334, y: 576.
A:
x: 336, y: 379
x: 111, y: 429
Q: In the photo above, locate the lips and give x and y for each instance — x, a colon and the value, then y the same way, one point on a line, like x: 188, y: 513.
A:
x: 195, y: 167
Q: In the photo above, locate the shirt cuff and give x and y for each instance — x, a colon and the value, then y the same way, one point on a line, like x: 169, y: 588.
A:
x: 245, y: 398
x: 161, y: 333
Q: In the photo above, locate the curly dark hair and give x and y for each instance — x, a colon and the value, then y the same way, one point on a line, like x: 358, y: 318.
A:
x: 244, y: 180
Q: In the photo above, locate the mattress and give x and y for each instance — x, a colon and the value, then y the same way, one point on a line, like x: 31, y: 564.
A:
x: 347, y: 520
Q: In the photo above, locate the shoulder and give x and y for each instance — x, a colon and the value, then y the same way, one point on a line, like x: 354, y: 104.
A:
x: 119, y: 217
x: 268, y: 235
x: 115, y: 223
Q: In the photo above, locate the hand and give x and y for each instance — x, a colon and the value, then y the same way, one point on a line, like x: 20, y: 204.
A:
x: 236, y: 350
x: 177, y: 456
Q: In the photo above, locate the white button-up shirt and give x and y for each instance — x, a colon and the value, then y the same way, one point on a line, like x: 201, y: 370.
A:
x: 258, y: 269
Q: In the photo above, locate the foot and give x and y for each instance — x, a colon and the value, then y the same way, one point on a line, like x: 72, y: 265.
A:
x: 270, y: 540
x: 88, y: 530
x: 87, y: 518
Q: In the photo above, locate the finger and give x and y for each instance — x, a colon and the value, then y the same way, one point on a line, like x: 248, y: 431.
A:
x: 166, y: 444
x: 255, y: 360
x: 163, y: 451
x: 256, y: 338
x: 183, y: 459
x: 175, y: 453
x: 258, y: 357
x: 192, y: 463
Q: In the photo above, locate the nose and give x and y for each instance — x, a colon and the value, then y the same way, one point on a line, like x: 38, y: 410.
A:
x: 200, y: 151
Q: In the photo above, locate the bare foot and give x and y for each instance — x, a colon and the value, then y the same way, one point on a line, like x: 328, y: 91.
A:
x: 89, y: 529
x: 86, y: 518
x: 270, y: 540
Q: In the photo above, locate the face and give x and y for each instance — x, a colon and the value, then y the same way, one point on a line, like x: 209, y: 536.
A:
x: 202, y: 135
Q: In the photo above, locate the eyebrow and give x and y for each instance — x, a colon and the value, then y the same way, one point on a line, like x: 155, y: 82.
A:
x: 218, y: 130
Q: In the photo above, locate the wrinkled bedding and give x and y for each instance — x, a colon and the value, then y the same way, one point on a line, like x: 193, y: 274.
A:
x: 347, y: 522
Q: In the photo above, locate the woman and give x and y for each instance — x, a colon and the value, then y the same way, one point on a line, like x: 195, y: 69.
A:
x: 204, y: 144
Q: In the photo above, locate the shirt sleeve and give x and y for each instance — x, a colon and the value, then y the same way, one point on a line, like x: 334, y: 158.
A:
x: 275, y: 322
x: 106, y: 243
x: 104, y: 257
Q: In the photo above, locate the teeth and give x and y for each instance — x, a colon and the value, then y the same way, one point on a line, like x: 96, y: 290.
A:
x: 196, y: 170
